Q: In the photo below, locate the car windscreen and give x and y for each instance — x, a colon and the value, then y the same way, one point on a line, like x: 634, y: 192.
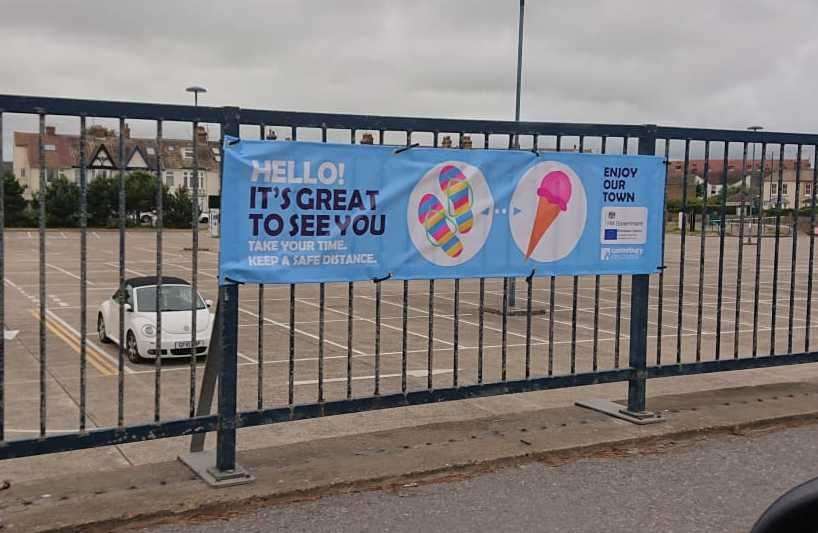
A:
x: 173, y: 298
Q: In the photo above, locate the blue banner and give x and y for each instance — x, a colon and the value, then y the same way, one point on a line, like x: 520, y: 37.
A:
x: 296, y: 212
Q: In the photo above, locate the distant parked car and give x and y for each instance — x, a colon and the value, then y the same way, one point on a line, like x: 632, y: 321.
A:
x: 139, y: 298
x: 149, y: 217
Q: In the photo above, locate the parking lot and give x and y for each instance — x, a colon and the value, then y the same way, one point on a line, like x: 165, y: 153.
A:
x: 598, y: 335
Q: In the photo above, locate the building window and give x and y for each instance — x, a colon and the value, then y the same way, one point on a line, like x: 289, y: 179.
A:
x: 151, y: 151
x: 784, y: 189
x: 188, y: 153
x: 169, y: 179
x: 808, y: 189
x: 23, y: 172
x: 50, y: 148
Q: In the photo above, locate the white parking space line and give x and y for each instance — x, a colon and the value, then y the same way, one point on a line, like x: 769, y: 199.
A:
x: 299, y: 331
x: 410, y: 373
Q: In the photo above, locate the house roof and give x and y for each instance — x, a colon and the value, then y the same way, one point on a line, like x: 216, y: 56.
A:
x: 62, y: 151
x: 736, y: 169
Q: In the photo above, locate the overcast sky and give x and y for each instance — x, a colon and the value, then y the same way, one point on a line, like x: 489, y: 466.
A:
x: 729, y: 63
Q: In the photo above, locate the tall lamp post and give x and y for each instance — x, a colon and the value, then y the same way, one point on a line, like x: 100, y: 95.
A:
x: 195, y: 89
x: 512, y: 289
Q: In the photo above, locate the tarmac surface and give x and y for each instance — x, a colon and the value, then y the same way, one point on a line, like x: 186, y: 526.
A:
x: 720, y: 484
x: 583, y: 334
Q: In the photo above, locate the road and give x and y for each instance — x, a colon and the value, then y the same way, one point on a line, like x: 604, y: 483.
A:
x: 717, y: 485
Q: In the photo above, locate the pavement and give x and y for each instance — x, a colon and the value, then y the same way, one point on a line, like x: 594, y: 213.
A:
x: 718, y: 484
x: 153, y: 495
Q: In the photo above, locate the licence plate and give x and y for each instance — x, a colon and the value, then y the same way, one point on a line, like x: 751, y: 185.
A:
x: 187, y: 344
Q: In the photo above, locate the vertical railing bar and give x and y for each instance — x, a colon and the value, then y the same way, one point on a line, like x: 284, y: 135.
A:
x: 618, y: 313
x: 702, y: 241
x: 3, y: 293
x: 122, y: 219
x: 350, y: 321
x: 260, y: 350
x: 83, y: 275
x: 430, y: 352
x: 793, y: 257
x: 321, y: 312
x: 529, y: 296
x: 378, y: 296
x: 291, y: 361
x: 722, y: 221
x: 404, y: 347
x: 194, y: 274
x: 157, y: 378
x: 551, y: 289
x: 778, y: 202
x: 456, y: 333
x: 682, y: 249
x: 480, y: 322
x: 260, y: 324
x: 808, y: 316
x: 740, y: 259
x: 42, y: 280
x: 597, y: 279
x: 574, y: 300
x: 504, y: 331
x: 759, y: 233
x: 661, y: 294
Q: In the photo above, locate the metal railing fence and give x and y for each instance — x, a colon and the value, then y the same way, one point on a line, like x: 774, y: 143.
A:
x: 570, y: 331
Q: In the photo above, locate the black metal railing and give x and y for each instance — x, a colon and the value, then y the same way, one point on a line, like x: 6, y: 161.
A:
x: 571, y: 331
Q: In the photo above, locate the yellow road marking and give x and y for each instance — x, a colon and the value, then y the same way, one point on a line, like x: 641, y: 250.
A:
x: 95, y: 359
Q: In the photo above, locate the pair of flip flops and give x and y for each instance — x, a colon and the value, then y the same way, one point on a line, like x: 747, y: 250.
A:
x: 442, y: 224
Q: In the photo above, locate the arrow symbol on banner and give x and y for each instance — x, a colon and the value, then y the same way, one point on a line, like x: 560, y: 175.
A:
x: 485, y: 211
x: 516, y: 211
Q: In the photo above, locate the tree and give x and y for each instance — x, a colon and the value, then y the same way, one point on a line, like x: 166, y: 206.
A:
x: 178, y: 208
x: 14, y: 205
x: 103, y: 200
x: 140, y: 192
x: 62, y: 200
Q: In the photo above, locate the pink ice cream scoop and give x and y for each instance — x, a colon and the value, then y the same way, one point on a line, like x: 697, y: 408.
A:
x: 553, y: 195
x: 556, y: 188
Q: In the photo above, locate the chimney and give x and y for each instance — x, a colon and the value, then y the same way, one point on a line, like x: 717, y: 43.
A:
x: 50, y: 130
x: 127, y: 132
x: 201, y: 133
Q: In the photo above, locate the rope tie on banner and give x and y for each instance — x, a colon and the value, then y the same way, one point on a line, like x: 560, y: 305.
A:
x: 378, y: 280
x: 405, y: 148
x: 234, y: 141
x: 530, y: 276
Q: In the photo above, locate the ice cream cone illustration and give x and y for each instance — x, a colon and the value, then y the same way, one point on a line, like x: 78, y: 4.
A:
x: 553, y: 195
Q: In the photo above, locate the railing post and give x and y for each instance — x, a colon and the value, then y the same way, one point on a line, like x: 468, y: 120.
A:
x: 640, y: 288
x: 226, y: 435
x: 222, y: 470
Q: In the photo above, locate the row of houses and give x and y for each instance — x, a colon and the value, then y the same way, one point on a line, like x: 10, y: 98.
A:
x: 744, y: 179
x: 102, y: 151
x: 176, y: 160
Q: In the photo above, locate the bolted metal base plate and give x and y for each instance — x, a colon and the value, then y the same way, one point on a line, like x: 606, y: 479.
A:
x: 203, y: 464
x: 619, y: 411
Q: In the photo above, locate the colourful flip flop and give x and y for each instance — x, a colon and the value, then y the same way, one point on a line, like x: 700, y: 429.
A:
x: 439, y: 228
x: 458, y: 196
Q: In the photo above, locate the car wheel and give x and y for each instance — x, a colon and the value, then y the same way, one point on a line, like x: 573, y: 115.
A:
x: 103, y: 336
x: 132, y: 349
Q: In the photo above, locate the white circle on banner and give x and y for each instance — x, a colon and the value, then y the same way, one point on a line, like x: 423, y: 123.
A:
x: 467, y: 207
x: 563, y: 233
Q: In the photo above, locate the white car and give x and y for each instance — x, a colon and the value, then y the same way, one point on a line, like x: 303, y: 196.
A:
x: 150, y: 217
x: 139, y: 297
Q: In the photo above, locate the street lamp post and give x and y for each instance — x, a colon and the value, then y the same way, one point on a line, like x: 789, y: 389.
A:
x: 195, y: 89
x: 512, y: 289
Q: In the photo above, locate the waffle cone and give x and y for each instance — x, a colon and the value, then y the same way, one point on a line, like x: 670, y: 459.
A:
x: 547, y: 213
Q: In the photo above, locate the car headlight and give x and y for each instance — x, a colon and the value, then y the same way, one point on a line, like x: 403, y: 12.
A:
x: 148, y: 330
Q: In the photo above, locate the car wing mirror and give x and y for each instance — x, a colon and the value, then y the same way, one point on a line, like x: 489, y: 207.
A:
x: 129, y: 308
x: 209, y: 302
